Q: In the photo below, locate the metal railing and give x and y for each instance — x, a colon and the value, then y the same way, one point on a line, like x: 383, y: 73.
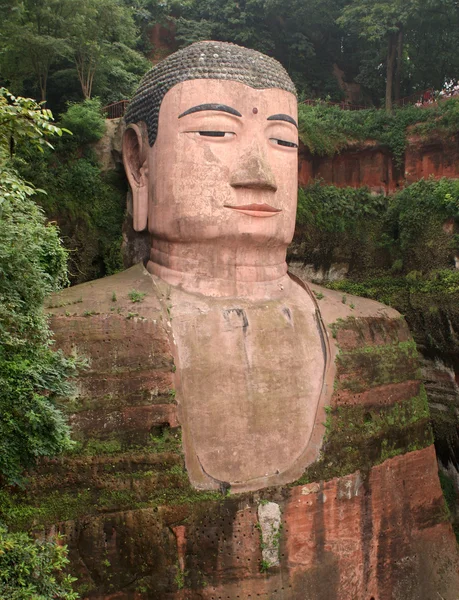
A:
x: 418, y: 98
x: 428, y: 97
x: 422, y: 98
x: 116, y: 110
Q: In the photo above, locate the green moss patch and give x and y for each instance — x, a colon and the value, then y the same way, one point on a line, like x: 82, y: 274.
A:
x: 161, y: 439
x: 428, y: 302
x: 101, y: 478
x: 358, y: 437
x: 371, y: 366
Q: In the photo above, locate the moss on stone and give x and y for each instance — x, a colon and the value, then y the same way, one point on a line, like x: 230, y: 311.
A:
x: 371, y: 366
x: 160, y: 440
x: 428, y: 302
x: 360, y: 437
x: 102, y: 477
x: 52, y: 507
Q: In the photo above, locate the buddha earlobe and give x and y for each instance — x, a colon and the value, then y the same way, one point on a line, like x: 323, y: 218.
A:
x: 135, y: 164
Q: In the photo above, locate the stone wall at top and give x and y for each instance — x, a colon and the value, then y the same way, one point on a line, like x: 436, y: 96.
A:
x: 370, y: 164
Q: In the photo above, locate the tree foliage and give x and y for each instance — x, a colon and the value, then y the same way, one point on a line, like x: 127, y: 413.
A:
x: 391, y: 26
x: 379, y: 45
x: 87, y: 203
x: 325, y: 129
x: 302, y: 35
x: 382, y: 236
x: 33, y: 569
x: 98, y: 31
x: 33, y: 40
x: 84, y: 120
x: 32, y: 265
x: 91, y: 38
x: 371, y: 51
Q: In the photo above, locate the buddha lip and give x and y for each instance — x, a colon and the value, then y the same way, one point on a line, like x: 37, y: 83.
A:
x: 266, y: 208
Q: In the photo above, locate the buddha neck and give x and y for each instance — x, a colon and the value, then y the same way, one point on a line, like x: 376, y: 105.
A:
x: 214, y: 270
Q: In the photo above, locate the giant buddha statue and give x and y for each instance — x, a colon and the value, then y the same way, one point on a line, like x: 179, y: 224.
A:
x: 211, y: 156
x: 305, y: 468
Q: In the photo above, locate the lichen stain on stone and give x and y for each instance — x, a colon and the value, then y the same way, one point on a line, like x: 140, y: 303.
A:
x: 236, y: 317
x: 269, y: 519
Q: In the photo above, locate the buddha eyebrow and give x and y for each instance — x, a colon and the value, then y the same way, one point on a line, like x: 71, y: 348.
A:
x: 283, y: 118
x: 219, y: 107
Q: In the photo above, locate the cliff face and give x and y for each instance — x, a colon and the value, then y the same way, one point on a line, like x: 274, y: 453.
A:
x: 367, y: 520
x: 383, y: 536
x: 361, y: 254
x: 373, y: 166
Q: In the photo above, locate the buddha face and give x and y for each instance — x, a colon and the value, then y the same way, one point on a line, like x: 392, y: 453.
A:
x: 223, y: 166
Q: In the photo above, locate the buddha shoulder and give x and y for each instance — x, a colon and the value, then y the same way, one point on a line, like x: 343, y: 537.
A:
x: 335, y: 305
x: 130, y: 293
x: 355, y: 321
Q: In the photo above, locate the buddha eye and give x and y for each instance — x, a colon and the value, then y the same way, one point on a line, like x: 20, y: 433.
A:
x: 227, y: 134
x: 283, y: 143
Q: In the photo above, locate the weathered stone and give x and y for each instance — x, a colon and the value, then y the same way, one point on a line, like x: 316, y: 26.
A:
x: 269, y: 519
x: 384, y: 537
x: 127, y: 388
x: 108, y: 148
x: 370, y: 164
x: 358, y: 525
x: 257, y: 363
x: 367, y: 164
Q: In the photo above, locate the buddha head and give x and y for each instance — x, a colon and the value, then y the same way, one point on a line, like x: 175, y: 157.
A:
x: 210, y: 152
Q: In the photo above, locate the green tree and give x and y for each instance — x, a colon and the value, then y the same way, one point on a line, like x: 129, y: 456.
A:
x: 244, y: 22
x: 432, y: 46
x: 32, y: 37
x: 32, y: 265
x: 119, y: 73
x: 415, y: 40
x: 97, y: 33
x: 308, y: 42
x: 384, y: 23
x: 33, y: 569
x: 150, y: 12
x: 44, y: 41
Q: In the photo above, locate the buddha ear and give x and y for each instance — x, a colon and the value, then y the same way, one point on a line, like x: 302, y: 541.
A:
x: 135, y: 150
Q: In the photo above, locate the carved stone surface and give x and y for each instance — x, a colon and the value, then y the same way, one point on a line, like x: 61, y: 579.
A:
x: 347, y: 540
x: 270, y: 521
x: 260, y: 368
x: 287, y: 396
x: 203, y: 60
x: 358, y: 525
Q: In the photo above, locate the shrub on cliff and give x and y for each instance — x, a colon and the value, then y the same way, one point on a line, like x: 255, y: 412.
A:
x: 33, y: 569
x: 400, y: 250
x: 32, y: 265
x: 422, y: 219
x: 336, y: 225
x: 413, y: 230
x: 84, y: 120
x: 326, y: 129
x: 87, y: 203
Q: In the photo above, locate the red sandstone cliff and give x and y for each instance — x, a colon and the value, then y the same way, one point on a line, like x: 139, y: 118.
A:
x: 372, y: 165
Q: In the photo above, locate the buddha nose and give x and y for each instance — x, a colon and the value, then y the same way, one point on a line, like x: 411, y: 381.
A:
x: 252, y: 170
